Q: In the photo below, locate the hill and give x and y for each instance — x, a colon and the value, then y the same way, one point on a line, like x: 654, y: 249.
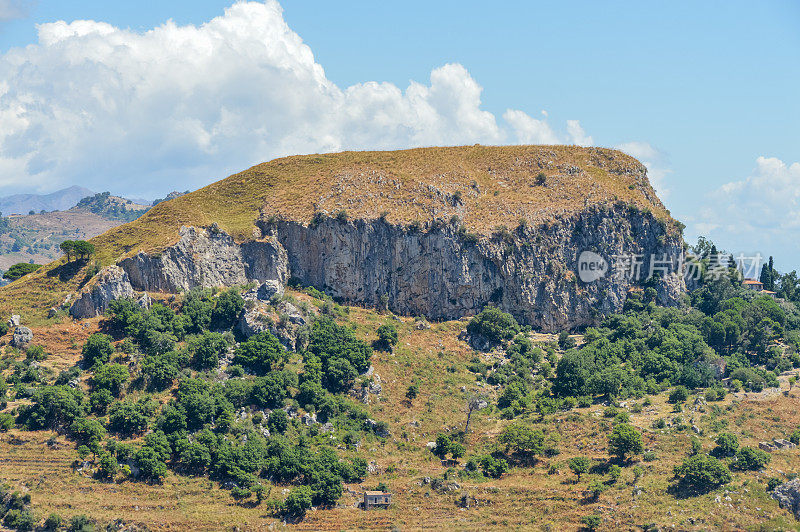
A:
x: 482, y: 190
x: 61, y: 200
x: 111, y: 207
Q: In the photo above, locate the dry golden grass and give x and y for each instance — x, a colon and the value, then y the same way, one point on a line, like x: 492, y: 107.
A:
x: 494, y: 186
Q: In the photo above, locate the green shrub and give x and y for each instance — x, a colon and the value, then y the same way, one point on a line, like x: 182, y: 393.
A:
x: 727, y: 445
x: 750, y: 459
x: 97, y: 349
x: 702, y: 473
x: 624, y: 440
x: 387, y: 337
x: 494, y: 325
x: 298, y: 501
x: 579, y: 465
x: 53, y: 522
x: 679, y: 394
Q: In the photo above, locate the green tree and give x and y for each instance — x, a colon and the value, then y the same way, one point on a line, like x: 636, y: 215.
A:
x: 227, y: 309
x: 207, y: 350
x: 110, y: 377
x: 494, y: 325
x: 67, y: 246
x: 579, y: 465
x: 97, y: 349
x: 750, y: 459
x: 727, y: 445
x: 19, y: 270
x: 625, y: 440
x: 702, y: 473
x: 298, y: 501
x: 523, y: 440
x: 260, y: 353
x: 387, y: 337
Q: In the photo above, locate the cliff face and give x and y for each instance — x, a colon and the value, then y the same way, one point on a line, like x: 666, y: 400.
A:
x: 435, y: 271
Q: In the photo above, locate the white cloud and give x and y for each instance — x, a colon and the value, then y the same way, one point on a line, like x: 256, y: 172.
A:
x: 180, y: 106
x: 654, y: 160
x: 760, y: 212
x: 12, y: 9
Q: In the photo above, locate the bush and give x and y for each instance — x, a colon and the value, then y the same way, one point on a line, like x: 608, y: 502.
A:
x: 702, y: 473
x: 522, y: 440
x: 727, y: 445
x: 19, y: 519
x: 494, y: 325
x: 592, y: 521
x: 750, y: 459
x: 207, y: 350
x: 493, y: 467
x: 260, y: 353
x: 110, y: 377
x: 53, y: 522
x: 679, y: 394
x: 278, y: 421
x: 624, y: 440
x: 97, y: 349
x: 227, y: 309
x: 20, y: 269
x: 387, y: 337
x: 298, y: 501
x: 579, y: 465
x: 80, y: 523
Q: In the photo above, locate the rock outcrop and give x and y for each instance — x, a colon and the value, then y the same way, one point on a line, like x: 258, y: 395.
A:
x: 205, y: 258
x: 22, y: 337
x: 788, y: 496
x: 438, y: 271
x: 110, y: 284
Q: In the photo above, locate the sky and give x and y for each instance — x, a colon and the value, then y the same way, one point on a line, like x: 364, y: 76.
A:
x: 141, y: 98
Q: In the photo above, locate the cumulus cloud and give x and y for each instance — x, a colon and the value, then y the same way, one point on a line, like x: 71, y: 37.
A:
x: 760, y: 212
x: 176, y: 107
x: 654, y: 160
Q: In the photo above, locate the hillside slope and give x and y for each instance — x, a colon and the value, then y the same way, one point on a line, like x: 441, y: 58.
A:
x: 486, y: 188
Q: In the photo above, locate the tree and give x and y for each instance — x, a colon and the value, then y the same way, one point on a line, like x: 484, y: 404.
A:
x: 473, y: 403
x: 97, y: 349
x: 260, y: 353
x: 522, y: 440
x: 625, y: 440
x: 298, y: 501
x: 110, y: 377
x: 207, y: 350
x: 19, y: 270
x: 387, y: 337
x: 443, y: 444
x: 727, y: 445
x: 579, y: 465
x: 278, y: 421
x: 340, y: 375
x: 702, y: 473
x: 83, y: 249
x: 750, y: 459
x: 108, y: 466
x: 67, y: 246
x: 412, y: 392
x: 494, y: 325
x: 679, y: 394
x: 228, y: 307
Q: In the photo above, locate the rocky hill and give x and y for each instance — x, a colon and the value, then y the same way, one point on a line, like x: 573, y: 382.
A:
x: 439, y: 232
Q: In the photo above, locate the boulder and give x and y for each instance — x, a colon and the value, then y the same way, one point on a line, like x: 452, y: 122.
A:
x: 13, y: 321
x: 788, y: 496
x: 22, y: 337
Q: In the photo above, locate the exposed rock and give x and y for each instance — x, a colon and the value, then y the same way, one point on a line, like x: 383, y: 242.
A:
x: 207, y: 258
x: 13, y: 321
x: 309, y: 419
x: 437, y: 273
x: 260, y: 316
x: 788, y: 496
x: 144, y: 301
x: 110, y: 284
x: 22, y: 337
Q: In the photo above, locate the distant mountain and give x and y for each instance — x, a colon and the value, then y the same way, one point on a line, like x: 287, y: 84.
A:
x: 111, y: 207
x: 60, y: 200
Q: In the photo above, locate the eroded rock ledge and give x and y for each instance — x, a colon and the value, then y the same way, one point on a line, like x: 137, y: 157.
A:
x: 434, y: 271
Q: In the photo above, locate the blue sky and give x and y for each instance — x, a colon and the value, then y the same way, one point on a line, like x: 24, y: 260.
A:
x: 704, y: 92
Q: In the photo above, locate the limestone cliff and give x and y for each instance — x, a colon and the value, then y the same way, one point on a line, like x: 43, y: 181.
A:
x: 437, y: 270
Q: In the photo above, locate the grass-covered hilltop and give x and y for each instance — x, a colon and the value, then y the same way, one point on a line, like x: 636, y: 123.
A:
x: 265, y: 366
